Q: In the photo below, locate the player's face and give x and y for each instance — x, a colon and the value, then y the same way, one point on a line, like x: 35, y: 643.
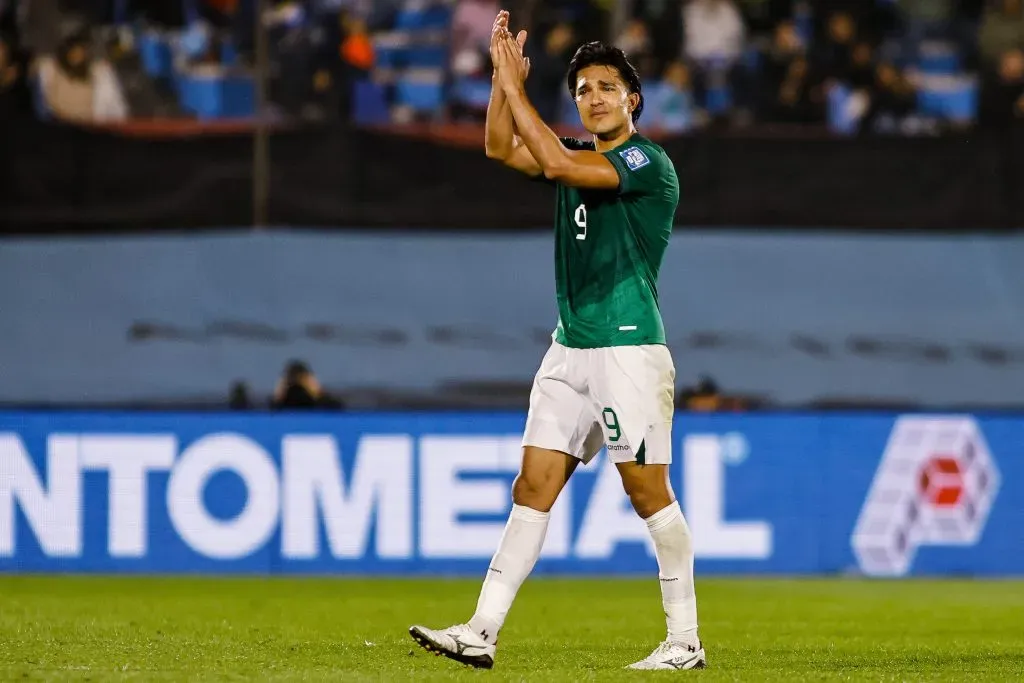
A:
x: 603, y: 100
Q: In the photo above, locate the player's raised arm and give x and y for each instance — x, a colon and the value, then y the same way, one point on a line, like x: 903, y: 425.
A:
x: 500, y: 139
x: 576, y: 168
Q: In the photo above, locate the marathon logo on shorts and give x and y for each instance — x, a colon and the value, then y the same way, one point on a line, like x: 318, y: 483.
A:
x: 635, y: 158
x: 935, y: 486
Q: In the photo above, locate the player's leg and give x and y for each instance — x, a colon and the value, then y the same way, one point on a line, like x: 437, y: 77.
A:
x: 542, y: 477
x: 633, y: 388
x: 650, y: 492
x: 560, y: 431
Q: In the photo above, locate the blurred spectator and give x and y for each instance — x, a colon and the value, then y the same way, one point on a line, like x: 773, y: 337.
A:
x: 299, y: 389
x: 798, y: 50
x: 871, y: 19
x: 671, y: 104
x: 635, y: 41
x: 78, y: 87
x: 10, y: 76
x: 285, y: 13
x: 144, y: 96
x: 892, y: 101
x: 785, y: 85
x: 41, y: 25
x: 795, y: 99
x: 704, y: 398
x: 205, y: 61
x: 714, y: 32
x: 662, y: 18
x: 239, y: 399
x: 292, y: 56
x: 471, y: 36
x: 763, y: 16
x: 861, y: 74
x: 714, y: 43
x: 1002, y: 94
x: 15, y: 98
x: 1002, y: 30
x: 924, y: 20
x: 786, y: 47
x: 356, y: 46
x: 832, y: 54
x: 233, y: 20
x: 590, y: 19
x: 334, y: 83
x: 548, y: 67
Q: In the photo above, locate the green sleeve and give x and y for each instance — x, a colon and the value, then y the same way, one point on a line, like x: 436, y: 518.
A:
x: 641, y: 169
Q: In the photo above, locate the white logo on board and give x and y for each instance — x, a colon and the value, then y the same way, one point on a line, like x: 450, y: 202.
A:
x: 935, y: 486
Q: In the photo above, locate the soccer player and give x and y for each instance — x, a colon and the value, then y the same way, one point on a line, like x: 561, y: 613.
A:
x: 608, y: 377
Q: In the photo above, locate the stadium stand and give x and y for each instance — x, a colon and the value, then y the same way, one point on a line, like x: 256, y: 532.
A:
x: 853, y: 67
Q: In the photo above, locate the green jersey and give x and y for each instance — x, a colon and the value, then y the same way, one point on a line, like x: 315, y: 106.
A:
x: 609, y: 247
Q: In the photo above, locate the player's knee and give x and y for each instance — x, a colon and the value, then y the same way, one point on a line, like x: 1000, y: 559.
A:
x: 646, y: 498
x: 535, y: 490
x: 647, y: 503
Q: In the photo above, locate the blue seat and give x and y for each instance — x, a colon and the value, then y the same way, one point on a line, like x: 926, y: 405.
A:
x: 391, y: 57
x: 838, y: 116
x: 939, y: 59
x: 238, y: 97
x: 718, y: 99
x: 438, y: 16
x: 410, y: 19
x: 229, y: 53
x: 472, y: 92
x: 217, y: 97
x: 427, y: 56
x: 954, y: 99
x: 420, y: 95
x: 434, y: 17
x: 155, y: 54
x: 371, y: 105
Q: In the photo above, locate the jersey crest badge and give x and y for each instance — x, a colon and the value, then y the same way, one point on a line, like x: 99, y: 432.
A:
x: 635, y: 158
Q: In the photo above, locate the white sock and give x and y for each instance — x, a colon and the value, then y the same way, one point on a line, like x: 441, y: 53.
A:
x: 517, y: 553
x: 673, y: 546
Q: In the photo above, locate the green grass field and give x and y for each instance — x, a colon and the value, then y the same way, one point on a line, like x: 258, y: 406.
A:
x: 92, y: 629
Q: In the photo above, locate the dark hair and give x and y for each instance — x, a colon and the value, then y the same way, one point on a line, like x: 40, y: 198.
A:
x: 600, y: 54
x: 295, y: 370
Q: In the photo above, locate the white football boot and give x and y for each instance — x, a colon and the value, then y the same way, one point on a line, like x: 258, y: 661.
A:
x: 456, y: 642
x: 669, y: 656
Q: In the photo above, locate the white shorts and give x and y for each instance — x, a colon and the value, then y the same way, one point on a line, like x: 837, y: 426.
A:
x: 621, y: 397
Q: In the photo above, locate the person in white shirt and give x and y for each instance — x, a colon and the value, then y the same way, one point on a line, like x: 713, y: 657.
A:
x: 714, y: 31
x: 714, y: 41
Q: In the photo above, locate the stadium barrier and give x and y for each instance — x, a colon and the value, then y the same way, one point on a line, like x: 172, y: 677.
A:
x: 437, y: 176
x: 797, y: 318
x: 427, y: 494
